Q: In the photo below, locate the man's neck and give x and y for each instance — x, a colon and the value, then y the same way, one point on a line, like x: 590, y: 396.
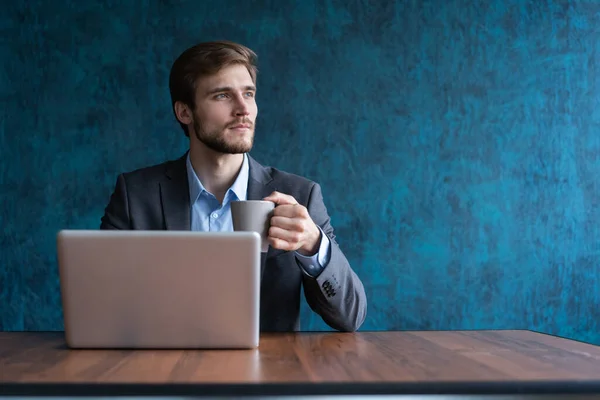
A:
x: 216, y: 171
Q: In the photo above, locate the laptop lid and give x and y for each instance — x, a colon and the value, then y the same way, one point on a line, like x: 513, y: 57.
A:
x: 159, y: 289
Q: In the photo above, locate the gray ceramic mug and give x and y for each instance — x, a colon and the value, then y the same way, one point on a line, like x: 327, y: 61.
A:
x: 253, y: 216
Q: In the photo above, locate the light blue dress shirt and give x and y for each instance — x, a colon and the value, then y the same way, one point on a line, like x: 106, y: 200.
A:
x: 208, y: 215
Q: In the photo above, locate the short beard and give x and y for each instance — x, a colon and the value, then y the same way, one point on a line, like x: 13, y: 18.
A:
x: 216, y: 141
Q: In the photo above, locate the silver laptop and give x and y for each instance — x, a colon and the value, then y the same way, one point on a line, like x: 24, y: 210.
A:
x: 159, y: 289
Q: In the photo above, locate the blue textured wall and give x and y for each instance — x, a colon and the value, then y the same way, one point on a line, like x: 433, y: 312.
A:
x: 457, y: 143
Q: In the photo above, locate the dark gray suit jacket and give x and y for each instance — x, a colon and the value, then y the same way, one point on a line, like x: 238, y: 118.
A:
x: 157, y: 198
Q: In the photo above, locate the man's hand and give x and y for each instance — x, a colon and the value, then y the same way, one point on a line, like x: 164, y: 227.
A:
x: 292, y: 229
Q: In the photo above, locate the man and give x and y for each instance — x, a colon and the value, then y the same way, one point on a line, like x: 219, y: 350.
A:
x: 213, y: 88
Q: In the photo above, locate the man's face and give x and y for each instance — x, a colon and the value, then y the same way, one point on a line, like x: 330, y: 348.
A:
x: 226, y: 110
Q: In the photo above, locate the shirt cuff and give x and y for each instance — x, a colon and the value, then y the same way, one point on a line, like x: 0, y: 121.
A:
x: 314, y: 265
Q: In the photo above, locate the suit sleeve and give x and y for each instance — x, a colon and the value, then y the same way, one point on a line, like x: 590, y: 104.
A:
x: 116, y: 213
x: 336, y: 294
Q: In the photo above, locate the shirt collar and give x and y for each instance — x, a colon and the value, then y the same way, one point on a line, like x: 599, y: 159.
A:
x: 239, y: 188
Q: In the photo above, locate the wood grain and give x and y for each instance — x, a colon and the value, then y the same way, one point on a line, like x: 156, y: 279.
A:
x: 486, y: 356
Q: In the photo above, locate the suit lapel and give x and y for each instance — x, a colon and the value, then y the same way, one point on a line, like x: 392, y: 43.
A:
x: 260, y: 181
x: 260, y: 185
x: 175, y: 197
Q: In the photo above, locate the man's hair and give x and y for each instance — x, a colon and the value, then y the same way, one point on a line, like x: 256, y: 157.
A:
x: 205, y: 59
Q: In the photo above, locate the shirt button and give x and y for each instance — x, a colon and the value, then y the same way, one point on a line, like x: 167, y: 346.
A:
x: 215, y: 215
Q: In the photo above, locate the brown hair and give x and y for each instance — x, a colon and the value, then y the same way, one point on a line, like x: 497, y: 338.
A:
x: 205, y: 59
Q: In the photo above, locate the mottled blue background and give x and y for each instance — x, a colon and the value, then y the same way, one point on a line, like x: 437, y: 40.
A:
x: 457, y: 143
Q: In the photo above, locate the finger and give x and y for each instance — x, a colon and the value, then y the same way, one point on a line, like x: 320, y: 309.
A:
x: 280, y: 198
x: 292, y: 237
x: 290, y: 211
x: 290, y: 224
x: 281, y: 244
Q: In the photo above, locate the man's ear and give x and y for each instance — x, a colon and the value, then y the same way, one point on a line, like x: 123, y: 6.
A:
x: 183, y: 113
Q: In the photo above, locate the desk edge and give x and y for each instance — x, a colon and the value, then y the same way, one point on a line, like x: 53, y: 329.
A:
x: 301, y: 388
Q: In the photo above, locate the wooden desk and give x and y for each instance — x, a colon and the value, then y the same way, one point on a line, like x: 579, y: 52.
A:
x: 467, y: 362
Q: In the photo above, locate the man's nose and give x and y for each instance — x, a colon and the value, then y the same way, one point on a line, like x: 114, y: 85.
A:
x: 241, y: 106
